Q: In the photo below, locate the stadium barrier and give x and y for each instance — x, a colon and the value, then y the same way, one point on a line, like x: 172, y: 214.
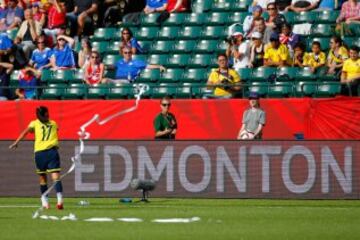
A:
x: 200, y: 169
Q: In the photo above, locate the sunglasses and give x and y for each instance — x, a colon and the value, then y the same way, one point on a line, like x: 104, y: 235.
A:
x: 271, y: 9
x: 166, y: 104
x: 61, y: 39
x: 127, y: 53
x: 94, y: 57
x: 40, y: 42
x: 126, y: 33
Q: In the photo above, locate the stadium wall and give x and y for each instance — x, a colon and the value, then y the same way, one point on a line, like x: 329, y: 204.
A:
x: 203, y: 169
x: 335, y: 118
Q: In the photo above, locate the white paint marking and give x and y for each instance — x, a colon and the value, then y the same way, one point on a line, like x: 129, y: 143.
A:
x: 104, y: 219
x: 177, y: 220
x: 130, y: 219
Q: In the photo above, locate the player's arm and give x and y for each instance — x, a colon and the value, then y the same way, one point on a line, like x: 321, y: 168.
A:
x: 21, y: 137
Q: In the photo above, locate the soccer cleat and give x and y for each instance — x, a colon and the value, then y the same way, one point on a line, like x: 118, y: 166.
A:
x: 46, y: 205
x: 60, y: 206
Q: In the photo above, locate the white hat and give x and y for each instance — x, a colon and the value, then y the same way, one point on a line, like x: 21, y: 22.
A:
x: 256, y: 35
x: 237, y: 34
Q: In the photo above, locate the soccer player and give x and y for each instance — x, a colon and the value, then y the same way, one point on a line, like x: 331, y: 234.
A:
x: 46, y: 154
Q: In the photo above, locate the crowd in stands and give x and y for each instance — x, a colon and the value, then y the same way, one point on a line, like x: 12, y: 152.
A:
x: 48, y: 30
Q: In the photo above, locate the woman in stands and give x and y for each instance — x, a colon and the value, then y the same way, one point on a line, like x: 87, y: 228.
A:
x: 337, y: 55
x: 256, y: 50
x: 40, y: 57
x: 128, y: 41
x: 85, y: 52
x: 94, y: 69
x: 62, y: 55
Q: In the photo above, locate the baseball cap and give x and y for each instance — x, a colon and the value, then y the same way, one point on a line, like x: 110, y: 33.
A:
x: 256, y: 35
x: 274, y: 36
x: 237, y: 34
x: 257, y: 8
x: 253, y: 95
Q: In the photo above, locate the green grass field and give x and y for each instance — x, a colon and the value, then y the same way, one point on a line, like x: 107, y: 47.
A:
x: 220, y: 219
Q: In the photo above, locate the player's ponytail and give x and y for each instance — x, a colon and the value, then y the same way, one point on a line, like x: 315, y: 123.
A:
x: 42, y: 113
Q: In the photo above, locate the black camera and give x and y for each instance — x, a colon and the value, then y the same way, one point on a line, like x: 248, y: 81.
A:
x: 231, y: 40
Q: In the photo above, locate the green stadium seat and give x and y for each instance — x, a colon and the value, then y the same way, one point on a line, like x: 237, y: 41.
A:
x: 46, y: 75
x: 184, y: 46
x: 190, y: 32
x: 75, y: 91
x: 327, y: 16
x: 103, y: 34
x: 145, y: 45
x: 206, y: 46
x: 109, y: 74
x: 304, y: 74
x: 184, y: 91
x: 221, y: 47
x: 217, y: 18
x: 200, y: 90
x: 120, y: 91
x: 163, y: 89
x: 201, y: 6
x: 111, y: 59
x: 53, y: 91
x: 262, y: 74
x: 62, y: 76
x: 178, y: 60
x: 160, y: 59
x: 200, y: 60
x: 307, y: 89
x: 101, y: 47
x: 149, y: 75
x: 286, y: 74
x: 149, y: 19
x: 244, y: 73
x: 114, y: 47
x: 78, y: 76
x: 146, y: 33
x: 323, y: 76
x: 321, y: 30
x: 260, y: 88
x: 324, y: 42
x: 349, y: 41
x: 290, y: 17
x: 304, y: 17
x: 175, y: 19
x: 195, y: 19
x: 237, y: 17
x: 168, y: 33
x: 328, y: 89
x: 171, y: 75
x: 161, y: 46
x: 221, y: 6
x: 12, y: 33
x: 214, y: 32
x: 97, y: 91
x: 195, y: 75
x: 281, y: 89
x: 240, y: 5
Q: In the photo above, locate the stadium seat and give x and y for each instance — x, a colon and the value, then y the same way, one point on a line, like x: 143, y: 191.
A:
x: 190, y: 32
x: 290, y: 17
x: 262, y: 74
x: 240, y: 5
x: 161, y: 46
x: 286, y: 74
x: 280, y: 89
x: 237, y: 17
x: 214, y: 32
x: 194, y: 75
x: 305, y: 89
x: 46, y: 75
x: 149, y: 19
x: 200, y: 90
x: 175, y: 19
x: 98, y: 91
x: 53, y: 91
x: 101, y: 47
x: 171, y: 75
x: 14, y: 78
x: 200, y: 60
x: 195, y: 19
x: 206, y: 46
x: 145, y: 45
x: 324, y: 42
x: 62, y: 76
x: 78, y: 76
x: 184, y: 46
x: 260, y: 88
x: 321, y: 30
x: 328, y: 89
x: 111, y: 59
x: 160, y: 59
x: 327, y: 16
x: 244, y: 73
x: 75, y: 91
x: 217, y: 18
x: 305, y: 74
x: 323, y: 76
x: 184, y: 91
x: 120, y: 91
x: 163, y: 89
x: 12, y: 33
x: 109, y: 74
x: 221, y: 6
x: 168, y: 33
x: 103, y: 34
x: 146, y: 33
x: 178, y: 60
x: 149, y: 75
x: 349, y: 41
x: 114, y: 47
x: 304, y: 17
x: 201, y: 6
x: 221, y: 47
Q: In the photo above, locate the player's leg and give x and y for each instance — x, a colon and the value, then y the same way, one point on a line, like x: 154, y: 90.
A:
x: 43, y: 189
x: 54, y: 169
x: 40, y: 162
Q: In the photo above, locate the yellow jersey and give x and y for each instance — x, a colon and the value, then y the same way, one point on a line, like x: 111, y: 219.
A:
x: 312, y: 60
x: 46, y: 136
x: 352, y: 68
x: 277, y: 55
x: 338, y: 58
x: 217, y: 78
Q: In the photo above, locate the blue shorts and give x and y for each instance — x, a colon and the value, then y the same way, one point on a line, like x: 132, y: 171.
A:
x: 47, y: 161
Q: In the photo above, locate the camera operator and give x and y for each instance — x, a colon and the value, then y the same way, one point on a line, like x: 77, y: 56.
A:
x: 165, y: 122
x: 224, y: 80
x: 238, y: 50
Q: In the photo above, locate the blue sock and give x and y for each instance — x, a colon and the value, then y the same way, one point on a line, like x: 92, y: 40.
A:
x: 43, y: 188
x: 58, y: 186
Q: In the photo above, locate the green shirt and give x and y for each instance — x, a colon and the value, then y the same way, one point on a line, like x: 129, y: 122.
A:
x: 163, y: 122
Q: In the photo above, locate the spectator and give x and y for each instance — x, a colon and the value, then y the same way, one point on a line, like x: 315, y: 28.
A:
x: 28, y: 81
x: 288, y: 38
x: 38, y: 14
x: 128, y: 41
x: 94, y: 70
x: 351, y: 67
x: 328, y: 5
x: 337, y: 55
x: 62, y: 55
x: 83, y: 12
x: 40, y: 58
x: 316, y: 58
x: 261, y: 28
x: 302, y: 5
x: 253, y: 119
x: 127, y: 69
x: 349, y: 18
x: 177, y: 6
x: 165, y: 123
x: 11, y: 16
x: 261, y: 3
x: 256, y: 50
x: 298, y: 58
x: 155, y: 6
x: 28, y: 33
x: 5, y: 47
x: 85, y: 52
x: 249, y: 22
x: 238, y: 50
x: 276, y: 54
x: 56, y: 19
x: 5, y: 71
x: 275, y: 20
x: 224, y: 80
